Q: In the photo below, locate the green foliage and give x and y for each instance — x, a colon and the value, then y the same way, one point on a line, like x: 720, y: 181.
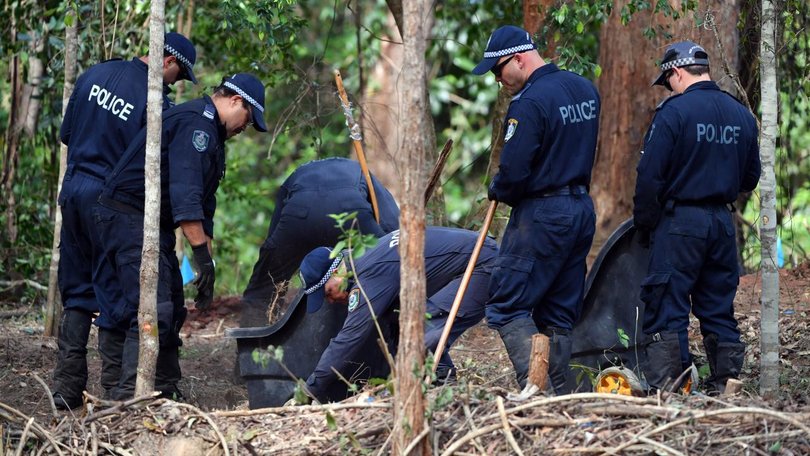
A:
x: 624, y: 338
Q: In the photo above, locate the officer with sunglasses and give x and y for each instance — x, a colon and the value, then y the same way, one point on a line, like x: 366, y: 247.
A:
x: 550, y: 135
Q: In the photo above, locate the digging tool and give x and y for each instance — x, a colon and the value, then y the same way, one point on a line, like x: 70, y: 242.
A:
x: 357, y: 139
x: 465, y: 280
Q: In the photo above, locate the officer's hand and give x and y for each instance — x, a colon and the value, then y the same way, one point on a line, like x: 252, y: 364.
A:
x: 206, y: 275
x: 644, y: 237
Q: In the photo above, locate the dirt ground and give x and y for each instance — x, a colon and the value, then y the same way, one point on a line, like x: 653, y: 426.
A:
x: 207, y: 357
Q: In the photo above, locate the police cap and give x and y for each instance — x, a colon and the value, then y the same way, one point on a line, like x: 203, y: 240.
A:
x: 681, y: 54
x: 315, y: 271
x: 507, y: 40
x: 183, y: 50
x: 251, y: 89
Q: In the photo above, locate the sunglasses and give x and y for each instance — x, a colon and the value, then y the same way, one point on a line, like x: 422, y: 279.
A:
x: 497, y: 69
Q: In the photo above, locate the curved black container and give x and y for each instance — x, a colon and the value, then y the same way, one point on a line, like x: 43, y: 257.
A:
x: 611, y: 303
x: 303, y: 337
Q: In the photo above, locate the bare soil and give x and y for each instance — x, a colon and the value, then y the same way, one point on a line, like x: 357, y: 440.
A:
x: 207, y: 360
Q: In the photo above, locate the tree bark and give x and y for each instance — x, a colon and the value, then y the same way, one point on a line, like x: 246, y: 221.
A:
x: 147, y: 308
x: 382, y: 116
x: 769, y: 325
x: 409, y: 413
x: 33, y: 89
x: 630, y: 62
x: 12, y: 142
x: 53, y: 309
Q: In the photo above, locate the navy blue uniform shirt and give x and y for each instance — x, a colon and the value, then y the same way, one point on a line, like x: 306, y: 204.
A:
x: 700, y: 149
x: 192, y: 164
x: 550, y: 136
x: 447, y: 252
x: 109, y: 97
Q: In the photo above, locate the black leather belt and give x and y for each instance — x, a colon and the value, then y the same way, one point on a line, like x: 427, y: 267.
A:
x: 562, y: 191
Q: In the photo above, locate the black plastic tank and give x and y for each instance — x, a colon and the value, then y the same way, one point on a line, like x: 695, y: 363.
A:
x: 611, y: 306
x: 303, y: 338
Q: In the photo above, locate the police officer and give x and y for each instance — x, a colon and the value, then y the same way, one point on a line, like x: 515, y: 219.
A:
x: 301, y: 222
x: 544, y: 174
x: 192, y: 165
x: 699, y: 153
x: 106, y: 110
x: 447, y: 253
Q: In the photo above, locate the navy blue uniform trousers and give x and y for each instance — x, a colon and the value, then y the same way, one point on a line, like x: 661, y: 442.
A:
x: 693, y: 253
x: 540, y: 272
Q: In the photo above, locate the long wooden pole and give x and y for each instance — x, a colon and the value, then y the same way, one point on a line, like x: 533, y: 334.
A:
x: 357, y: 139
x: 465, y: 280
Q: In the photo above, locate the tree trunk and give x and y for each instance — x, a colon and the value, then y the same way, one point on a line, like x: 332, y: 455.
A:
x: 12, y: 142
x: 382, y: 117
x: 409, y: 412
x: 33, y: 89
x: 628, y: 101
x: 769, y: 341
x: 147, y: 308
x: 53, y: 309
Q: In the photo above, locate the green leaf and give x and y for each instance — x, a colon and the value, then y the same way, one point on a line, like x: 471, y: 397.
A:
x: 330, y: 422
x: 624, y: 338
x: 775, y: 448
x: 580, y: 27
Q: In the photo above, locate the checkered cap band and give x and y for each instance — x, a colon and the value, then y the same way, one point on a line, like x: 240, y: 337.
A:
x: 244, y: 95
x: 178, y: 56
x: 509, y: 51
x: 677, y: 63
x: 326, y: 276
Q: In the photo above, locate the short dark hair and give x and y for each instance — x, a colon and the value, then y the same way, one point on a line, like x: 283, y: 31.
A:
x: 224, y: 91
x: 696, y: 70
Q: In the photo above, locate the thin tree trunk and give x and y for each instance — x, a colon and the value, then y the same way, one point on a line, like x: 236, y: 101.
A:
x: 12, y: 142
x: 409, y: 412
x: 53, y: 309
x: 147, y: 308
x: 35, y: 71
x: 769, y: 341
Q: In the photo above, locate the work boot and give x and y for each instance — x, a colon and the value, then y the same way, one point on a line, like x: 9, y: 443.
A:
x: 125, y: 389
x: 111, y: 349
x: 725, y: 362
x: 559, y: 356
x: 517, y: 338
x: 662, y: 365
x: 70, y: 375
x: 167, y: 373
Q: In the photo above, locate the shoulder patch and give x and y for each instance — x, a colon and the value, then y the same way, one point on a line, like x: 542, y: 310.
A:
x: 200, y: 139
x: 511, y: 126
x: 354, y: 299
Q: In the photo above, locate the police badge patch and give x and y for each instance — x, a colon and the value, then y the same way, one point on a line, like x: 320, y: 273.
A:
x: 511, y: 126
x: 354, y: 299
x: 200, y: 140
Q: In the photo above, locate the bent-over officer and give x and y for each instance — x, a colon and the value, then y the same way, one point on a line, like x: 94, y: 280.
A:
x: 106, y: 111
x: 301, y: 222
x: 699, y: 153
x: 544, y: 174
x: 377, y: 272
x: 192, y: 165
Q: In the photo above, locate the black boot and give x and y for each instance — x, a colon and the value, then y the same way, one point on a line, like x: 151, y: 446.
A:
x: 111, y: 349
x: 517, y: 338
x: 167, y: 368
x: 662, y: 366
x: 559, y: 356
x: 70, y: 375
x: 129, y: 369
x: 725, y: 362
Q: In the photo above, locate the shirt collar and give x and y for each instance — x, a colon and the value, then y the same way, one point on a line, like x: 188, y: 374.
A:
x: 702, y: 85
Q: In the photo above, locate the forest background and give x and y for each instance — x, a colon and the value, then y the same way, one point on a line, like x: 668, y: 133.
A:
x: 294, y: 48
